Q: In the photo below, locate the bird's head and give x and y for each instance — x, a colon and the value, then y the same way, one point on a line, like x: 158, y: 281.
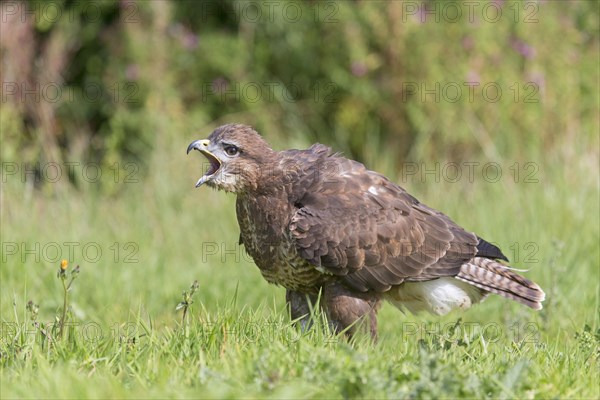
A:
x: 235, y: 155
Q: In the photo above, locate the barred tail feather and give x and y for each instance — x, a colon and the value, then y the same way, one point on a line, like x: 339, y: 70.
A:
x: 495, y: 277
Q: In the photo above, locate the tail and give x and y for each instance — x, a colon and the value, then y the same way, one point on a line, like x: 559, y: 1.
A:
x: 494, y: 277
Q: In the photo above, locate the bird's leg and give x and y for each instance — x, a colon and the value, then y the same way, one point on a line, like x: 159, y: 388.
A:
x: 346, y: 308
x: 300, y: 305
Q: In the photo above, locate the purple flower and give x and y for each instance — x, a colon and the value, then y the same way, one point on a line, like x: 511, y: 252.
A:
x: 358, y: 68
x: 132, y: 72
x: 189, y: 40
x: 468, y: 43
x: 538, y: 79
x: 422, y: 14
x: 473, y: 78
x: 523, y: 48
x: 219, y: 85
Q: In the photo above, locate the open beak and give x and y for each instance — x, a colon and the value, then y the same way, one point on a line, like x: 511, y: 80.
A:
x: 215, y: 164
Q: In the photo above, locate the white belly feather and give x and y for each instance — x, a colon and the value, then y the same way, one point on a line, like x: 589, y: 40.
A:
x: 438, y: 296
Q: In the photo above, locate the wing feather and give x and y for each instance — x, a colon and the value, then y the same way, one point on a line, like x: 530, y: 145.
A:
x: 356, y: 224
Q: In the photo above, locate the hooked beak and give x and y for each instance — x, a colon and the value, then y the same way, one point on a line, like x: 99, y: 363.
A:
x: 215, y: 164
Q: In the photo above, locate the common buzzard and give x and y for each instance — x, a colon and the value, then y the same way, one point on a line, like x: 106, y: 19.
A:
x: 314, y: 221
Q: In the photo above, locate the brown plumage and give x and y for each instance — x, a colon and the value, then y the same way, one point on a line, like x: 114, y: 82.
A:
x: 315, y: 221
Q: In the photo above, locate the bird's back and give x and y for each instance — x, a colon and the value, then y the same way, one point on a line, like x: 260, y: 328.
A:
x: 325, y: 218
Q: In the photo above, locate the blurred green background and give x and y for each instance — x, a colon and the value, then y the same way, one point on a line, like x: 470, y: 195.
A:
x: 109, y: 81
x: 488, y: 111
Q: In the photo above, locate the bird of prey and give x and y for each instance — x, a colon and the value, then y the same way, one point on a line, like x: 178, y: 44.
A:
x: 320, y: 224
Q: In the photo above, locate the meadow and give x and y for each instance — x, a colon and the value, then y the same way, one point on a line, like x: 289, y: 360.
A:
x: 139, y: 250
x: 103, y: 182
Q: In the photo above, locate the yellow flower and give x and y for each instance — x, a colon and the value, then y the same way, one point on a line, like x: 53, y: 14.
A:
x: 64, y: 264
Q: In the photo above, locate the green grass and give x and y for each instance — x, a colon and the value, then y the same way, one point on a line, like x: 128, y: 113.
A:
x: 128, y: 341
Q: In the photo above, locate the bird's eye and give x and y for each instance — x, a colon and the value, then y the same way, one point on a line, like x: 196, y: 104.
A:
x: 231, y: 150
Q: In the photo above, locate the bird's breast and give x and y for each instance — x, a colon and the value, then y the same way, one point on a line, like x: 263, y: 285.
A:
x: 264, y: 233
